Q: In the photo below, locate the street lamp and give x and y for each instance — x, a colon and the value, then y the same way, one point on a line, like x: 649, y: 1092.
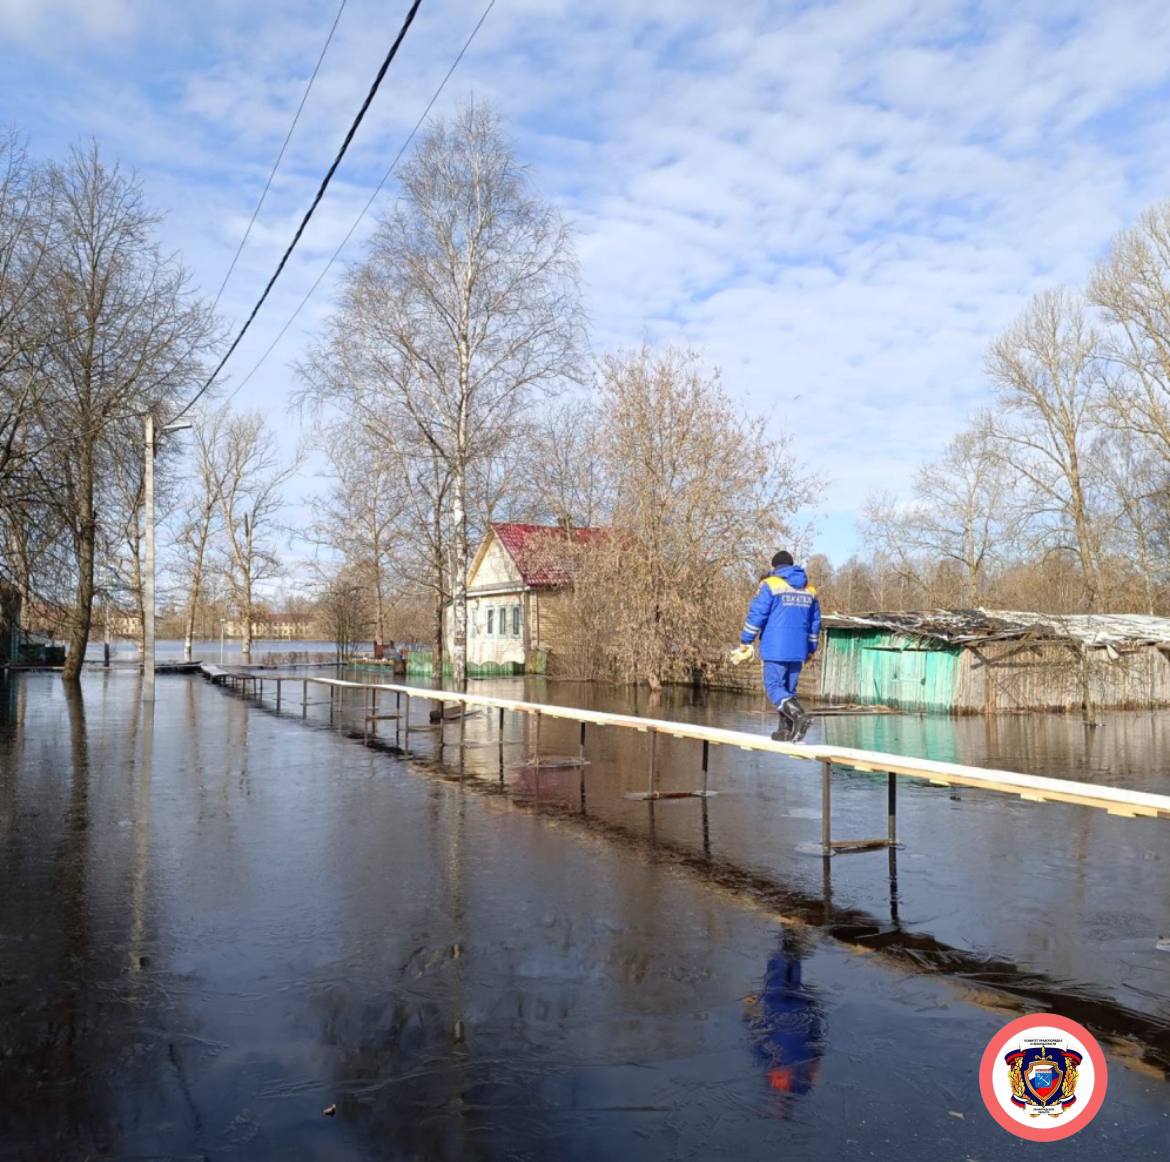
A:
x: 148, y: 596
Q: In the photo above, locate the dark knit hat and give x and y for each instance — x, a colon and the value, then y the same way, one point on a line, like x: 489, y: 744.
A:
x: 782, y: 558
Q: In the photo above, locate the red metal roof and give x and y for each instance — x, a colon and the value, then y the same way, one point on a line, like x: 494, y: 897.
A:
x: 536, y: 550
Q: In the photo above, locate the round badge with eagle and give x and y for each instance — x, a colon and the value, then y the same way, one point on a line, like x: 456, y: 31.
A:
x: 1043, y: 1077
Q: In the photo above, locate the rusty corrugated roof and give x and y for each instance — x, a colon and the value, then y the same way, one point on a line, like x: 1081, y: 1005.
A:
x: 538, y: 550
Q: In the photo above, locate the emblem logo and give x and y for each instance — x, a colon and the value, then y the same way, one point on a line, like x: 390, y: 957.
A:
x: 1043, y: 1077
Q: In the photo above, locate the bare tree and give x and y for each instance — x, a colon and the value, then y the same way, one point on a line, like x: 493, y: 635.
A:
x: 1132, y: 288
x: 560, y: 475
x: 466, y: 303
x: 251, y: 479
x: 1136, y: 477
x: 962, y: 511
x: 1047, y: 378
x: 701, y: 498
x: 361, y: 516
x: 200, y: 520
x: 124, y: 336
x: 341, y: 605
x: 28, y: 531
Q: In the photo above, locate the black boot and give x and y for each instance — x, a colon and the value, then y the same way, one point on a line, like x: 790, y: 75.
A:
x: 800, y: 719
x: 783, y: 731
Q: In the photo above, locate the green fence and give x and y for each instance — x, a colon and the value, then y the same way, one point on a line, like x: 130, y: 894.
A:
x: 419, y: 665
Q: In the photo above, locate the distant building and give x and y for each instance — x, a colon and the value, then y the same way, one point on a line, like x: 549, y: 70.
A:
x: 127, y: 625
x: 274, y: 627
x: 988, y: 661
x: 519, y: 598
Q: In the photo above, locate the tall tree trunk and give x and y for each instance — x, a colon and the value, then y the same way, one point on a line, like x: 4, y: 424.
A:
x: 459, y: 572
x: 192, y: 604
x: 246, y: 647
x: 196, y: 585
x: 246, y: 644
x: 139, y: 597
x: 437, y: 645
x: 86, y: 555
x: 379, y: 618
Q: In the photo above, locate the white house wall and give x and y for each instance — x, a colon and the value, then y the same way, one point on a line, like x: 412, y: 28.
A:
x: 496, y: 569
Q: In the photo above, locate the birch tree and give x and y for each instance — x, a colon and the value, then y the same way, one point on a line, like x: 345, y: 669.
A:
x: 466, y: 304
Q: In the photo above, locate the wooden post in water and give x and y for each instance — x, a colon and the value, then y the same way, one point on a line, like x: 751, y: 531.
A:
x: 581, y: 759
x: 892, y: 806
x: 652, y: 790
x: 826, y: 807
x: 305, y: 698
x: 501, y: 743
x: 706, y: 759
x: 277, y: 695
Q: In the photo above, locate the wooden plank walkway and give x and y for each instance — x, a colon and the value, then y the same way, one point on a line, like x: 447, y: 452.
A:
x: 1119, y: 801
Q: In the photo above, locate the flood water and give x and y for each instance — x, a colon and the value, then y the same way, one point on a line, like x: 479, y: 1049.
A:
x: 219, y: 920
x: 264, y: 651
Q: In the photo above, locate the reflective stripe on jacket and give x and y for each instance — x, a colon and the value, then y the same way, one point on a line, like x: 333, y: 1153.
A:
x: 785, y: 615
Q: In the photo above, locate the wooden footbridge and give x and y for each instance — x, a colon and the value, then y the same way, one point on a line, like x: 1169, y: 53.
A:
x: 377, y: 710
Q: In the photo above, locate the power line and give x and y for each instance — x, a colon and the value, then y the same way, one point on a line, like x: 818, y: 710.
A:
x: 312, y: 208
x: 279, y: 156
x: 369, y: 202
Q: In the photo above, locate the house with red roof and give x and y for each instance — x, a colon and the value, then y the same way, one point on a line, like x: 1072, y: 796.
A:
x: 519, y: 597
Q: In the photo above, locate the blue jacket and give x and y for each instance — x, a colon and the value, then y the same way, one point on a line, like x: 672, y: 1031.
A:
x: 785, y: 615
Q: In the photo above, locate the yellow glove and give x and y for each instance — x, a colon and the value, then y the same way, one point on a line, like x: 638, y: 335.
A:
x: 742, y: 654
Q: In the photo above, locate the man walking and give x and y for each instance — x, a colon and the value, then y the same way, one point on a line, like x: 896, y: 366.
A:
x: 786, y: 618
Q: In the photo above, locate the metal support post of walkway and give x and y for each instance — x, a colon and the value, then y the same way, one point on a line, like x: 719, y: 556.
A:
x: 1122, y: 802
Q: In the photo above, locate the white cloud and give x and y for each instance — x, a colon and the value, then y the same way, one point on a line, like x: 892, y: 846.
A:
x: 45, y: 24
x: 841, y: 203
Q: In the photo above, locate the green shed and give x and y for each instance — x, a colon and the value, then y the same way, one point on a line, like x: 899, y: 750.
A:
x: 974, y: 661
x: 883, y: 668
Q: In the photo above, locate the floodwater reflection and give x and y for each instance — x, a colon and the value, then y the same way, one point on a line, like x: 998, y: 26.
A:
x: 218, y: 921
x: 785, y: 1019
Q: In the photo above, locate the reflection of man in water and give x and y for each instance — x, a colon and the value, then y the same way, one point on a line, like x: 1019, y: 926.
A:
x: 785, y: 1021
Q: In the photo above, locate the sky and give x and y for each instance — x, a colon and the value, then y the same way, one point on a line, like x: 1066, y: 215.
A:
x: 838, y: 204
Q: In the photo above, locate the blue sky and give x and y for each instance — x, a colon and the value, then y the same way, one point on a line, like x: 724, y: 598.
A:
x: 839, y: 204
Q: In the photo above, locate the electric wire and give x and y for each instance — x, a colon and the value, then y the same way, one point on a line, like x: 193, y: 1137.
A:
x: 312, y: 208
x: 369, y: 202
x: 279, y: 156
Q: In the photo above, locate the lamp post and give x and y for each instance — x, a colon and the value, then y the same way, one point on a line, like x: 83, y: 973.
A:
x: 148, y: 585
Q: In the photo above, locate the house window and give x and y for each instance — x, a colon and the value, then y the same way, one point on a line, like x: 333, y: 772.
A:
x: 491, y: 620
x: 503, y: 622
x: 515, y: 621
